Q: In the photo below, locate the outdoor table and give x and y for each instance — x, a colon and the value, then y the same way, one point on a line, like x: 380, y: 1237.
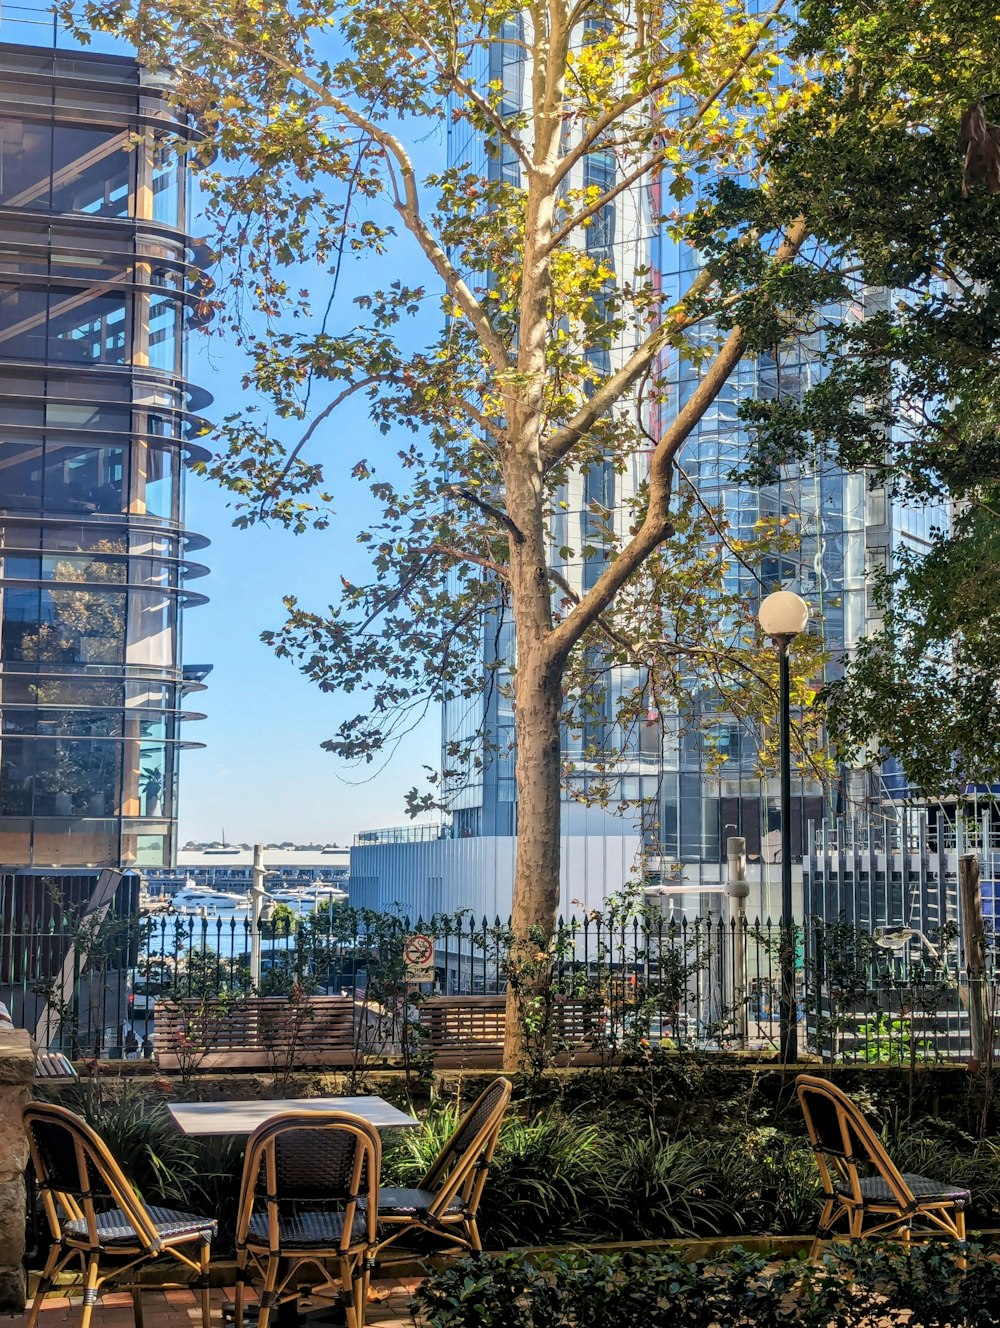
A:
x: 235, y: 1118
x: 243, y: 1117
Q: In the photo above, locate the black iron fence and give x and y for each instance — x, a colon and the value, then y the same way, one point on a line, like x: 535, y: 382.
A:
x: 706, y: 983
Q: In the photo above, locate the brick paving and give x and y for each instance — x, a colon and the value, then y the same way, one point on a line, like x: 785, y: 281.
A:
x: 387, y: 1308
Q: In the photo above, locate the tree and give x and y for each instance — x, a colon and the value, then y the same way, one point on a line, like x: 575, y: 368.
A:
x: 549, y: 364
x: 909, y: 395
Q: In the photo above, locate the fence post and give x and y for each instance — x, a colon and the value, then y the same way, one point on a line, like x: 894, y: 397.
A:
x: 974, y: 947
x: 737, y: 888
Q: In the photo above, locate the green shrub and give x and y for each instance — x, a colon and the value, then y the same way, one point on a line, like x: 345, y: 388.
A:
x: 163, y: 1165
x: 635, y: 1290
x: 855, y: 1287
x: 655, y: 1188
x: 768, y: 1183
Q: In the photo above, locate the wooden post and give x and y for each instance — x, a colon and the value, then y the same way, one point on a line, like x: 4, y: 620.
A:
x: 974, y: 949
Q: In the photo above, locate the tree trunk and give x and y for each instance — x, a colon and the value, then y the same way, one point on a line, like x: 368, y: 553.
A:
x: 538, y: 692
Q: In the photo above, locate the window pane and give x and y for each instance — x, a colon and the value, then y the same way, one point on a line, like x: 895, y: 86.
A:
x: 91, y: 171
x: 84, y: 479
x: 160, y: 482
x: 22, y: 323
x: 163, y: 333
x: 21, y: 475
x: 92, y: 332
x: 25, y: 151
x: 167, y: 194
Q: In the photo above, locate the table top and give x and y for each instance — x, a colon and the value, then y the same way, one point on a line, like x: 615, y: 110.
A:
x: 235, y: 1118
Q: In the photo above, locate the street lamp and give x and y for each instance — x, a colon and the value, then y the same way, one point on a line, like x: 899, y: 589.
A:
x: 261, y: 911
x: 782, y: 616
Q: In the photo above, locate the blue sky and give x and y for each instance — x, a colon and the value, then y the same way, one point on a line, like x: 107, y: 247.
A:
x: 263, y: 775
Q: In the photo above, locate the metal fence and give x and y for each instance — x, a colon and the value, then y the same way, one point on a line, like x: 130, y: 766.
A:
x: 706, y: 983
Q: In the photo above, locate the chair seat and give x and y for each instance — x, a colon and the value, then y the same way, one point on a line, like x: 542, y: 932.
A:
x: 411, y: 1203
x: 300, y: 1231
x: 114, y: 1227
x: 877, y: 1190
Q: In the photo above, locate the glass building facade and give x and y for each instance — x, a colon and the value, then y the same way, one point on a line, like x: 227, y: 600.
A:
x: 687, y: 804
x: 98, y: 285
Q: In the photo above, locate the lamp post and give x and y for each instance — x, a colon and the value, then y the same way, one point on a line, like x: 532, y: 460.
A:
x: 261, y: 910
x: 782, y: 616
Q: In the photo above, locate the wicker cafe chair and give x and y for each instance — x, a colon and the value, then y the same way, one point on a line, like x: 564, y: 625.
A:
x: 446, y: 1201
x: 309, y: 1196
x: 884, y: 1201
x: 95, y: 1216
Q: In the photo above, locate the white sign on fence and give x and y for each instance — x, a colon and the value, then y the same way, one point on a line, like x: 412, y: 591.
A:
x: 418, y: 954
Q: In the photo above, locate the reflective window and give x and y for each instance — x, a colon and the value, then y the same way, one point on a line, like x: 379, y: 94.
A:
x: 85, y: 416
x: 22, y: 323
x: 161, y: 481
x: 91, y: 332
x: 153, y: 779
x: 163, y: 328
x: 72, y: 777
x: 17, y: 771
x: 64, y: 625
x: 21, y: 475
x: 168, y: 172
x: 25, y: 155
x: 91, y: 171
x: 84, y: 479
x: 151, y: 629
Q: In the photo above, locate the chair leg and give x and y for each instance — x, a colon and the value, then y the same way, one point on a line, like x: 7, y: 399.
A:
x: 137, y: 1305
x: 89, y: 1291
x: 475, y: 1244
x: 268, y: 1294
x: 51, y: 1264
x: 354, y: 1284
x: 960, y: 1222
x: 206, y: 1290
x: 825, y: 1219
x: 238, y: 1299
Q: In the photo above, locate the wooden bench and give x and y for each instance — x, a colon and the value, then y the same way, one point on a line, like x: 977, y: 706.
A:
x: 53, y: 1067
x: 260, y: 1032
x: 466, y: 1032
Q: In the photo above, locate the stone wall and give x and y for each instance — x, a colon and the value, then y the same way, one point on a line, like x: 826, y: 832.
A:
x: 17, y: 1070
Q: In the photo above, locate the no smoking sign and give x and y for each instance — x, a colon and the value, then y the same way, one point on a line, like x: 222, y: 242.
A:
x: 418, y: 955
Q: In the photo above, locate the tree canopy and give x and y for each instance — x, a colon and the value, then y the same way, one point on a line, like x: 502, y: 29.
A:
x: 907, y: 187
x: 787, y: 162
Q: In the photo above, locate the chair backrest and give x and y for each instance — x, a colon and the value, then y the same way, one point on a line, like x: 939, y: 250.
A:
x: 77, y: 1175
x: 842, y: 1138
x: 460, y: 1167
x: 316, y: 1160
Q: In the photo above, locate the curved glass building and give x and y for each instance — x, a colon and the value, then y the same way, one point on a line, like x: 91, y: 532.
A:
x: 98, y: 284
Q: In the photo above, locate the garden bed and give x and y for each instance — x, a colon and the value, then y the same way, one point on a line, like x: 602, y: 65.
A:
x: 675, y: 1150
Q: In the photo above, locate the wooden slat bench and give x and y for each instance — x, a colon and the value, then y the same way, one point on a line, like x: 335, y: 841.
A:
x: 466, y: 1032
x: 261, y: 1032
x: 53, y: 1067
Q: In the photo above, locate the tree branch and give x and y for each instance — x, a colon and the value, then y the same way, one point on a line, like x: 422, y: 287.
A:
x: 328, y: 410
x: 407, y: 204
x: 469, y: 91
x: 493, y: 512
x: 447, y: 551
x: 656, y: 526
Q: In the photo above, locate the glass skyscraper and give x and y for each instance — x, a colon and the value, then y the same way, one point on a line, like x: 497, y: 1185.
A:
x: 98, y: 285
x: 682, y: 802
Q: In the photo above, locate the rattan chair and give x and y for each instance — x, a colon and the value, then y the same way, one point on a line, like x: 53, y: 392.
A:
x: 95, y: 1216
x: 309, y: 1196
x: 446, y: 1201
x: 882, y: 1200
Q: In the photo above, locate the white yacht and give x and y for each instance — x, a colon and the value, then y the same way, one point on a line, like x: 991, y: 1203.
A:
x: 192, y: 899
